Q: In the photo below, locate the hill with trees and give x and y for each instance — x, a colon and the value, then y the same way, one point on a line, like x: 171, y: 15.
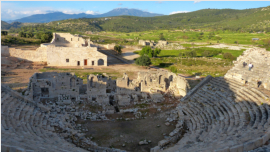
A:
x: 210, y: 19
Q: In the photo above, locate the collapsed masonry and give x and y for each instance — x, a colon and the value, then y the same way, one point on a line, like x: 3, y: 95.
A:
x: 152, y: 43
x: 103, y: 90
x: 64, y: 50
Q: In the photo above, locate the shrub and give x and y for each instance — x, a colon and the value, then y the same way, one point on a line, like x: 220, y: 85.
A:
x: 173, y: 69
x: 4, y: 32
x: 118, y: 49
x: 191, y: 54
x: 143, y: 60
x: 228, y: 56
x: 147, y: 50
x: 206, y: 54
x: 22, y: 34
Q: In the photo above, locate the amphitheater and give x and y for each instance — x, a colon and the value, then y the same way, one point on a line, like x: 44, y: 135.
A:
x: 222, y: 114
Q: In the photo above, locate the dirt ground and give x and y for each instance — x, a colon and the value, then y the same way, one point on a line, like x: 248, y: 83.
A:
x: 115, y: 133
x: 128, y: 54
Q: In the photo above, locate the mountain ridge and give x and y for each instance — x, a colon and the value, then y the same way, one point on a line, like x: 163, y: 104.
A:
x: 55, y: 16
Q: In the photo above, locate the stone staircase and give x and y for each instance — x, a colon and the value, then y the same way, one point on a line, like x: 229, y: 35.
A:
x: 223, y: 115
x: 260, y: 58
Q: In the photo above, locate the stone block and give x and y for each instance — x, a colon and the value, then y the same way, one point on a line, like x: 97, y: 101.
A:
x: 237, y: 148
x: 249, y: 146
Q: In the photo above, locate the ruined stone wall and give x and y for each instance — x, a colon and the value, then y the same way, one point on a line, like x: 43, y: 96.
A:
x: 68, y: 39
x: 4, y: 51
x: 38, y: 55
x: 96, y: 85
x: 153, y: 82
x: 126, y: 86
x: 52, y: 84
x: 57, y: 56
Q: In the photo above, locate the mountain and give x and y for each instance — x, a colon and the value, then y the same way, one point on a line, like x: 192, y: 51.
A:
x: 128, y: 12
x: 218, y: 19
x: 6, y: 26
x: 55, y: 16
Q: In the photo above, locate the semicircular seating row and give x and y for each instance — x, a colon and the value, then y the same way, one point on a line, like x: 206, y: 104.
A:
x: 225, y: 116
x: 25, y: 128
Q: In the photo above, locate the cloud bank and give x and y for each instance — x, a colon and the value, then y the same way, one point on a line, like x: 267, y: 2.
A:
x: 176, y: 12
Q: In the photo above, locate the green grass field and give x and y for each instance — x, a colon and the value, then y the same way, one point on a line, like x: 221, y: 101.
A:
x: 201, y: 37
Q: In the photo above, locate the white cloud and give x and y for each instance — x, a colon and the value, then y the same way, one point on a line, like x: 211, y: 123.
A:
x: 120, y: 4
x: 176, y: 12
x: 159, y: 2
x: 91, y: 12
x: 196, y: 2
x: 11, y: 11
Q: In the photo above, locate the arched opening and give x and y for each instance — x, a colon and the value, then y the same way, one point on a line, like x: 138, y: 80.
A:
x: 160, y: 79
x: 91, y: 81
x: 100, y: 62
x: 171, y: 78
x: 72, y: 82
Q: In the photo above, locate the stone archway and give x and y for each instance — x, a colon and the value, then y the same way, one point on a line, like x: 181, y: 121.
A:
x: 100, y: 62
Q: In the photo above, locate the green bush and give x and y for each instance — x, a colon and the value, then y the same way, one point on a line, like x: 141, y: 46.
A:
x: 173, y: 69
x: 228, y: 56
x: 118, y: 49
x: 191, y: 54
x: 147, y: 50
x: 4, y: 32
x: 143, y: 60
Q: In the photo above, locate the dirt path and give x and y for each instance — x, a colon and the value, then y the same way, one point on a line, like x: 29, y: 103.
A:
x: 129, y: 55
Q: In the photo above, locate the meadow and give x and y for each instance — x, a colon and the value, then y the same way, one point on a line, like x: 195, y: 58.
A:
x: 204, y: 36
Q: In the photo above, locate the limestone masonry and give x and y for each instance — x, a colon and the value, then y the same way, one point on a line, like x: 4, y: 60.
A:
x: 64, y: 50
x: 99, y: 88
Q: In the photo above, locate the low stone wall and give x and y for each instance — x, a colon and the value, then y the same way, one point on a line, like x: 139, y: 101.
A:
x: 4, y: 51
x: 38, y: 55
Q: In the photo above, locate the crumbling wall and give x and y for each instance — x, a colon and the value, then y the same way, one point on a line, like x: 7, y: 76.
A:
x: 68, y: 39
x: 52, y: 84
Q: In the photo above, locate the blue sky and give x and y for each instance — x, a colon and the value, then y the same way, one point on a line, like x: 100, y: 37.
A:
x: 11, y: 10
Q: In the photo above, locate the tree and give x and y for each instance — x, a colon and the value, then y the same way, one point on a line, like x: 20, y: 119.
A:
x: 147, y: 50
x: 22, y: 34
x: 46, y: 37
x: 143, y: 60
x: 228, y: 56
x: 118, y: 49
x: 191, y: 54
x: 206, y: 53
x: 156, y: 52
x: 4, y: 32
x: 181, y: 55
x: 29, y: 34
x: 161, y: 37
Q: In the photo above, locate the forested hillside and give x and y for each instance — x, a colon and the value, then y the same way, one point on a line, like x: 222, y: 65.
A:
x: 212, y: 19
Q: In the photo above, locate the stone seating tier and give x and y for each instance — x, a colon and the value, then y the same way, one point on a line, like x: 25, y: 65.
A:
x: 224, y: 115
